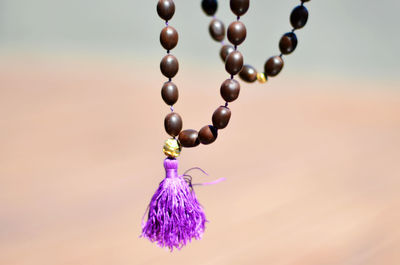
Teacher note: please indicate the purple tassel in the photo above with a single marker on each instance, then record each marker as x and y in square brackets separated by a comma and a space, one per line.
[175, 216]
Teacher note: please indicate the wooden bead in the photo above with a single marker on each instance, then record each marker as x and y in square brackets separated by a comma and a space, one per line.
[169, 66]
[217, 30]
[299, 17]
[234, 62]
[237, 32]
[169, 93]
[209, 7]
[166, 9]
[169, 38]
[288, 43]
[221, 117]
[189, 138]
[173, 124]
[230, 89]
[225, 51]
[208, 134]
[248, 73]
[273, 66]
[239, 7]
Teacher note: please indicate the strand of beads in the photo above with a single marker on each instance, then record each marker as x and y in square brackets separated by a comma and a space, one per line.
[169, 67]
[229, 90]
[274, 64]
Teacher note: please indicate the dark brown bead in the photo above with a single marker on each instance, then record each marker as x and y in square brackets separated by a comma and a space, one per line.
[225, 51]
[248, 73]
[209, 7]
[288, 43]
[221, 117]
[169, 66]
[169, 93]
[239, 7]
[189, 138]
[273, 66]
[166, 9]
[230, 89]
[217, 30]
[234, 62]
[169, 38]
[299, 17]
[237, 32]
[173, 124]
[208, 134]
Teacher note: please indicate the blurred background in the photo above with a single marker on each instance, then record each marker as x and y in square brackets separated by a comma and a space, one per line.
[312, 158]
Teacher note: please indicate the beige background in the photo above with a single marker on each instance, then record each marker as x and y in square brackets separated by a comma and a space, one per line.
[312, 159]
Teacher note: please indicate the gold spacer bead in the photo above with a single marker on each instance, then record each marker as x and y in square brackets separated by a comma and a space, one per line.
[172, 148]
[261, 78]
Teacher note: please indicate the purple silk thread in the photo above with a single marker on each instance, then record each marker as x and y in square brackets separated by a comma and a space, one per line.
[175, 216]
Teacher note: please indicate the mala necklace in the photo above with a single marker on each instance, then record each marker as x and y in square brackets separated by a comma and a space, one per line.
[175, 216]
[274, 64]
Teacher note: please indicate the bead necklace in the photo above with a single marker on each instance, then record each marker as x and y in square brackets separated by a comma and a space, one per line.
[175, 216]
[274, 64]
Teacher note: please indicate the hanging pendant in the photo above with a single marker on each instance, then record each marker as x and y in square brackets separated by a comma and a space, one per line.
[174, 214]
